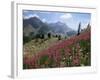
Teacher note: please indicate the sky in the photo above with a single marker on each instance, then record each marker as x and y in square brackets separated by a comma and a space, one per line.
[71, 19]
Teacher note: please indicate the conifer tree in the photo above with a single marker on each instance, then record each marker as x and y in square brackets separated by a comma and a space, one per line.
[79, 29]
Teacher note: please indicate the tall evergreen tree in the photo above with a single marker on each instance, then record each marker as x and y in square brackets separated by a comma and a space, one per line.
[79, 29]
[49, 35]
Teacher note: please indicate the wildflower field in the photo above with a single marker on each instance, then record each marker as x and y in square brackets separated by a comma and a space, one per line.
[71, 52]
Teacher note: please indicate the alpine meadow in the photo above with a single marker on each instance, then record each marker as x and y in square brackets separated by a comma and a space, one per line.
[56, 39]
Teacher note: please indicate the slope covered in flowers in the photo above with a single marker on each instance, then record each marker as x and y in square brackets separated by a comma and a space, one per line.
[71, 52]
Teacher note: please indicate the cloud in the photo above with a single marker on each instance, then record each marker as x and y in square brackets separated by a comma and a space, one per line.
[66, 16]
[25, 11]
[30, 15]
[44, 20]
[44, 12]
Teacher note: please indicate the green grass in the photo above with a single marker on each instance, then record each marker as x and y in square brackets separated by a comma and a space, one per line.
[37, 45]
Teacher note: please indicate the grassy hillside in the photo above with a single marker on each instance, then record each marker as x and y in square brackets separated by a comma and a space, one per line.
[51, 53]
[37, 45]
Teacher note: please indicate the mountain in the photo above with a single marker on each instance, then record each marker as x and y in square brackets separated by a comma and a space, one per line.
[35, 26]
[28, 29]
[71, 33]
[34, 21]
[60, 28]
